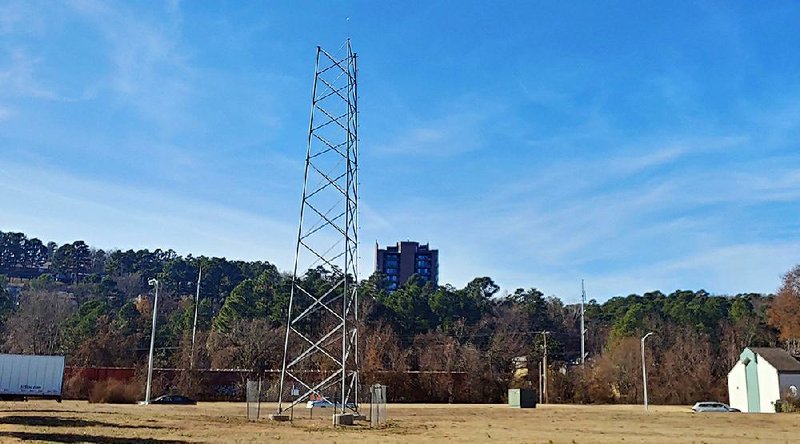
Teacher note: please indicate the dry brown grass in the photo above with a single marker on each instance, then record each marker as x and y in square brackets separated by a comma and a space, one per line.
[114, 392]
[76, 421]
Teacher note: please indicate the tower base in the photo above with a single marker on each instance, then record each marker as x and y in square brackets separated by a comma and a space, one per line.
[341, 419]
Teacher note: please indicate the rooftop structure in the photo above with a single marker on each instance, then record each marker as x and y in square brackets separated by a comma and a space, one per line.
[401, 261]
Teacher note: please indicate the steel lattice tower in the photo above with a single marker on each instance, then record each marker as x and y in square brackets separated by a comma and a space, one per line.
[321, 343]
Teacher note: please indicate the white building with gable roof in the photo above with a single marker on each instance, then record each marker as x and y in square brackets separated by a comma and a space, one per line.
[760, 377]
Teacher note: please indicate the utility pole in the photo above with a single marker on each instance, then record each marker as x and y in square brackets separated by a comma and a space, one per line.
[196, 308]
[541, 384]
[544, 366]
[153, 282]
[583, 328]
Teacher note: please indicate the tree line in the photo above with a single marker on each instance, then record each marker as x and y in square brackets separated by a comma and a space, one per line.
[94, 306]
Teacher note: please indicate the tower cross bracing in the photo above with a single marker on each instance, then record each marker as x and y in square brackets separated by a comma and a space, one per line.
[321, 342]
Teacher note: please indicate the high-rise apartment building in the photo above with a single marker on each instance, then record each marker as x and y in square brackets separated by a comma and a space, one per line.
[406, 258]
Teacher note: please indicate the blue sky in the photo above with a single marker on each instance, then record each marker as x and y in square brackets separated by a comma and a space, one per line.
[637, 145]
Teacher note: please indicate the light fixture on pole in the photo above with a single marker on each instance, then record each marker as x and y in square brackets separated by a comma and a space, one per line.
[153, 282]
[644, 370]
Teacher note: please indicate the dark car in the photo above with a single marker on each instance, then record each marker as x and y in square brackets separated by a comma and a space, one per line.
[173, 399]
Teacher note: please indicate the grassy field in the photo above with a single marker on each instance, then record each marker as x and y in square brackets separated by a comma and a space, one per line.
[76, 421]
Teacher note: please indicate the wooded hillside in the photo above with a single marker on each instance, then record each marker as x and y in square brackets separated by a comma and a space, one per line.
[94, 306]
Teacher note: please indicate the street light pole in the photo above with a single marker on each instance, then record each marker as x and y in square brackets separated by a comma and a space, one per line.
[644, 371]
[153, 282]
[196, 308]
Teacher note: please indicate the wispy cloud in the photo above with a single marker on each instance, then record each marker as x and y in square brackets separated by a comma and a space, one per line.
[18, 77]
[631, 164]
[150, 72]
[536, 161]
[5, 113]
[446, 136]
[733, 268]
[627, 221]
[10, 15]
[451, 128]
[110, 215]
[19, 16]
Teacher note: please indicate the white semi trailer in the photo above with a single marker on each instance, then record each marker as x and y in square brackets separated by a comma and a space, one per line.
[31, 376]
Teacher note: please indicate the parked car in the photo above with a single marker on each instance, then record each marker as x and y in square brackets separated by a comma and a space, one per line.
[174, 399]
[713, 407]
[321, 403]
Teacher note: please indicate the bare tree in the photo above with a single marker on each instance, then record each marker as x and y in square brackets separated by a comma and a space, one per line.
[131, 285]
[109, 346]
[250, 344]
[616, 374]
[36, 326]
[382, 349]
[685, 371]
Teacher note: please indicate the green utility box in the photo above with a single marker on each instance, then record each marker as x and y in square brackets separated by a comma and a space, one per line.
[522, 398]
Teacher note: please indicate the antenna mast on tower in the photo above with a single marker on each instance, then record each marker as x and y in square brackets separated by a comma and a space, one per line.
[320, 354]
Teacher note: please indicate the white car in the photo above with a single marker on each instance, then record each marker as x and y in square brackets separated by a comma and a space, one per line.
[321, 403]
[711, 406]
[318, 404]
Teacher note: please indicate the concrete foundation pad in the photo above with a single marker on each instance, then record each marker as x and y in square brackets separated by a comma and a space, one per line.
[343, 419]
[279, 417]
[360, 417]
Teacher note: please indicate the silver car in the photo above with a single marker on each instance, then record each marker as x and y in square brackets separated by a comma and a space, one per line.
[711, 406]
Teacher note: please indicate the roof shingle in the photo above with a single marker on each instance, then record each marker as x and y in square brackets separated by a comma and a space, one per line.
[778, 358]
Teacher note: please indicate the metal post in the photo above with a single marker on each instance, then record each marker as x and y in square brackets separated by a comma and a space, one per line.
[583, 328]
[644, 371]
[153, 282]
[196, 308]
[258, 404]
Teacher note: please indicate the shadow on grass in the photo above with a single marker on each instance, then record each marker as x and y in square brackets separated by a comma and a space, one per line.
[49, 421]
[53, 411]
[74, 437]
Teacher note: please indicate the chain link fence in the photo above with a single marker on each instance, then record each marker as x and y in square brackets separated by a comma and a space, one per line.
[377, 405]
[253, 399]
